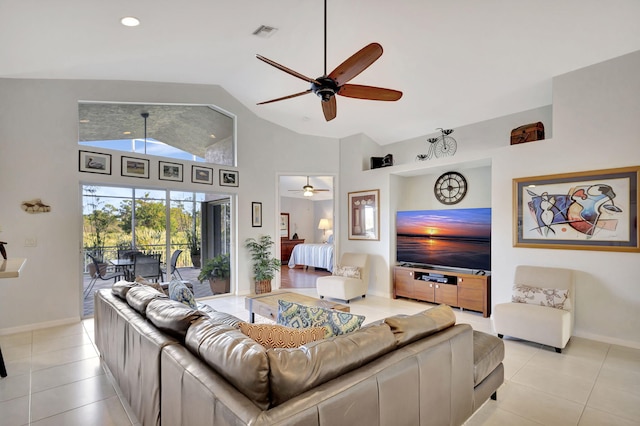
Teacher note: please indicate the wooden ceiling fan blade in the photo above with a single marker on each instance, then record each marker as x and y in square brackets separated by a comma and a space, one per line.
[330, 108]
[321, 190]
[287, 70]
[369, 92]
[358, 62]
[285, 97]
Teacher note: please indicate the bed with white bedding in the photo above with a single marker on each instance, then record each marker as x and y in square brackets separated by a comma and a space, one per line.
[316, 255]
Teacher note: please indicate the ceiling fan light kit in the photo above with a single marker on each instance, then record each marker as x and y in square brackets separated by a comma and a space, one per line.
[442, 146]
[327, 86]
[308, 190]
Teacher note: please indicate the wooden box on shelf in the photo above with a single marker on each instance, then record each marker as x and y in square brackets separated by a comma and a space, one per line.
[466, 291]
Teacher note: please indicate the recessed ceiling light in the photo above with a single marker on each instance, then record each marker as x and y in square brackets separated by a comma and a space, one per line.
[212, 136]
[130, 21]
[126, 133]
[84, 120]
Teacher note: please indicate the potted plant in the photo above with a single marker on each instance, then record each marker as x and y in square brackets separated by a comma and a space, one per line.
[194, 248]
[217, 271]
[265, 265]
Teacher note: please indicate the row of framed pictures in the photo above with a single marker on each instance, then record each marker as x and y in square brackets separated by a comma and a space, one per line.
[96, 162]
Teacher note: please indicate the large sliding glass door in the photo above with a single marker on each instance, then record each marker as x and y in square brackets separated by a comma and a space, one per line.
[158, 221]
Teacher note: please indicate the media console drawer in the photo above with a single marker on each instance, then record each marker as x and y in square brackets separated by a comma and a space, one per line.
[465, 291]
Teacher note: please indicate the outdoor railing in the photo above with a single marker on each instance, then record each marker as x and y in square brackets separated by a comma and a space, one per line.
[111, 252]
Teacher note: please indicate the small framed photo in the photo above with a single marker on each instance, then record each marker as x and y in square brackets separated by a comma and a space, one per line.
[228, 178]
[202, 175]
[94, 162]
[170, 171]
[135, 167]
[256, 214]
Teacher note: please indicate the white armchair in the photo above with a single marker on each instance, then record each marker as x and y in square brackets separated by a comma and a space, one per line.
[543, 307]
[346, 288]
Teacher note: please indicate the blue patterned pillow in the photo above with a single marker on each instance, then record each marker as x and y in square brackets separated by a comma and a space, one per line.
[295, 315]
[180, 292]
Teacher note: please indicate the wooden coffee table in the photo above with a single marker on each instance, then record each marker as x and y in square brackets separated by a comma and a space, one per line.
[266, 304]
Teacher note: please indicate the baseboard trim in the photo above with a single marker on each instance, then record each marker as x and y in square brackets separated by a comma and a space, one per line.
[39, 326]
[607, 339]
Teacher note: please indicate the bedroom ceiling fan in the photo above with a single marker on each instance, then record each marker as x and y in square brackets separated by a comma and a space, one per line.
[335, 83]
[308, 190]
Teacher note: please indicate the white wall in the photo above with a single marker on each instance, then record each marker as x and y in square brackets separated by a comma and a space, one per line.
[39, 159]
[591, 125]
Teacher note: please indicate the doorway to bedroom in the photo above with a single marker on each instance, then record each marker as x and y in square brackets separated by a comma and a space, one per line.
[306, 229]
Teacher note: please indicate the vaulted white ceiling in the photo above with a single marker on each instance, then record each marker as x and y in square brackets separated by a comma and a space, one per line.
[457, 61]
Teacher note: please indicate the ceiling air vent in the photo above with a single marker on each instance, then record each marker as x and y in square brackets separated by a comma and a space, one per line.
[264, 31]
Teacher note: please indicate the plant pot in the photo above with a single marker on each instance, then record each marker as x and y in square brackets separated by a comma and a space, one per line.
[263, 286]
[220, 285]
[195, 260]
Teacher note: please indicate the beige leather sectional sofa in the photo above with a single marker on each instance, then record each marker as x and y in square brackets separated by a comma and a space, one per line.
[178, 366]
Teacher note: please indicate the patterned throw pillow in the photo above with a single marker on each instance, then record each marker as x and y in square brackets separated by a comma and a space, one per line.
[551, 297]
[347, 271]
[180, 292]
[295, 315]
[278, 336]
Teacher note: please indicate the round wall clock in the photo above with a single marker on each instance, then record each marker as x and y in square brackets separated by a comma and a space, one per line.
[450, 188]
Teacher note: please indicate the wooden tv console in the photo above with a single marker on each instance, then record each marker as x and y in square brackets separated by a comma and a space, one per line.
[465, 291]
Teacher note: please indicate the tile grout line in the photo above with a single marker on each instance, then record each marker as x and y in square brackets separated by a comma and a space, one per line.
[594, 384]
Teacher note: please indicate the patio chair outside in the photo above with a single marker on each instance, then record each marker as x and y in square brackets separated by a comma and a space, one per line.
[100, 273]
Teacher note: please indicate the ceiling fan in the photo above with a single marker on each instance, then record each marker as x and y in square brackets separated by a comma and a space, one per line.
[308, 190]
[335, 83]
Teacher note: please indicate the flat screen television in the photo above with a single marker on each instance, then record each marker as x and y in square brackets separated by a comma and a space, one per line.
[452, 239]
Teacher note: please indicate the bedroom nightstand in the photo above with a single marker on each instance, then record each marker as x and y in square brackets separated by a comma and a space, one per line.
[286, 247]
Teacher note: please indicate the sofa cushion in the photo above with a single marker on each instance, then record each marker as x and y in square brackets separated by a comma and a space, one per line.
[121, 288]
[171, 317]
[291, 314]
[239, 359]
[278, 336]
[488, 353]
[179, 292]
[144, 281]
[552, 297]
[294, 371]
[223, 318]
[409, 328]
[139, 296]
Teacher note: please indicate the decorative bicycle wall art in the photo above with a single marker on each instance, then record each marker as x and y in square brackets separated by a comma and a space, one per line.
[442, 146]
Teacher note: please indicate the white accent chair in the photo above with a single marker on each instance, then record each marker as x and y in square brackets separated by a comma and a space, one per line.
[541, 324]
[345, 288]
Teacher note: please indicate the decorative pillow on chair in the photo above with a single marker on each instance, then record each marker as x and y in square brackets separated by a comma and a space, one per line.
[347, 271]
[295, 315]
[551, 297]
[180, 292]
[278, 336]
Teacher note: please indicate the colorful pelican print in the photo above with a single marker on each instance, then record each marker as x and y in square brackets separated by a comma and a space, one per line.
[581, 209]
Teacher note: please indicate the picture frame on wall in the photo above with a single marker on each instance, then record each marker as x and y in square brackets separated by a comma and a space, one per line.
[229, 178]
[201, 174]
[135, 167]
[590, 210]
[94, 162]
[170, 171]
[364, 215]
[256, 214]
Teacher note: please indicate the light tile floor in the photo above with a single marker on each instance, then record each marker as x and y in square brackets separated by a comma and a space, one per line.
[56, 378]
